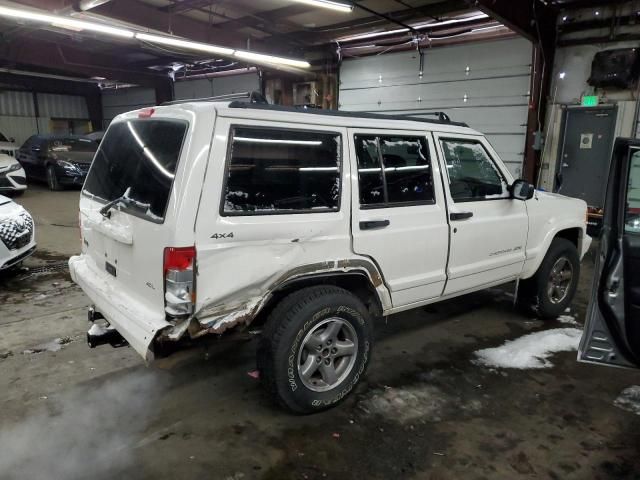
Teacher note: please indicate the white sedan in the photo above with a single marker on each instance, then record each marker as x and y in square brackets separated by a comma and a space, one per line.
[17, 233]
[13, 179]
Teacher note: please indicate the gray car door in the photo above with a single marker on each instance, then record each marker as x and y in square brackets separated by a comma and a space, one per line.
[612, 330]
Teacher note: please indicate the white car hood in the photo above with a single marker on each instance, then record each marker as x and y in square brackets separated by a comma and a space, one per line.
[8, 147]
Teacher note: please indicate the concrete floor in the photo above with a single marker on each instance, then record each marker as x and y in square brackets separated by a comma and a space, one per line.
[424, 410]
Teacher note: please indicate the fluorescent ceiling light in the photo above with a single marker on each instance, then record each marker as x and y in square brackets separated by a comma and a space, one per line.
[418, 26]
[261, 57]
[65, 22]
[331, 5]
[81, 25]
[181, 43]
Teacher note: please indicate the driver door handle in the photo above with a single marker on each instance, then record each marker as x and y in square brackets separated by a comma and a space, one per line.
[460, 215]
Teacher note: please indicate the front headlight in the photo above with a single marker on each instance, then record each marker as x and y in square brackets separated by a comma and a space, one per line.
[67, 165]
[14, 167]
[11, 168]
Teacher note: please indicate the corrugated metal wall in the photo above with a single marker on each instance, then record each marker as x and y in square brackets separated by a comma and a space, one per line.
[209, 87]
[62, 106]
[485, 84]
[115, 102]
[18, 112]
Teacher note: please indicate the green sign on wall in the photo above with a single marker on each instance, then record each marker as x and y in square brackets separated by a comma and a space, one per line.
[589, 100]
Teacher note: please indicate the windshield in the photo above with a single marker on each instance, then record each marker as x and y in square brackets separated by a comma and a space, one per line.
[137, 160]
[64, 145]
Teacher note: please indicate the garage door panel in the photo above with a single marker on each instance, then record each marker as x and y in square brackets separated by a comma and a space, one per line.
[484, 119]
[484, 84]
[508, 144]
[499, 91]
[497, 58]
[390, 78]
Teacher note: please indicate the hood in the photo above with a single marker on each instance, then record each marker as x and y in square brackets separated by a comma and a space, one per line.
[8, 147]
[560, 205]
[4, 200]
[76, 157]
[6, 161]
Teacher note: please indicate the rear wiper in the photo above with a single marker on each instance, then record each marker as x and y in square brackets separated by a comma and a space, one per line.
[106, 210]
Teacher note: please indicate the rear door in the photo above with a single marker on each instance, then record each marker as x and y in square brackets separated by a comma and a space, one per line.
[141, 161]
[399, 212]
[612, 330]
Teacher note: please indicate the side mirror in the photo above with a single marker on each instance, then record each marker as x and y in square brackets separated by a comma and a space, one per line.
[522, 190]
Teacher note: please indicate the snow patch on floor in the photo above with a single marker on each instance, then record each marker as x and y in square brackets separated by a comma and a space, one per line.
[54, 345]
[629, 399]
[530, 351]
[568, 320]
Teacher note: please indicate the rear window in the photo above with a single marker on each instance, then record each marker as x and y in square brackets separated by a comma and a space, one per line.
[64, 145]
[137, 161]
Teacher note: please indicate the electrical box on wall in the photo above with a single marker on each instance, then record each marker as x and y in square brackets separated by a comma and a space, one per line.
[618, 68]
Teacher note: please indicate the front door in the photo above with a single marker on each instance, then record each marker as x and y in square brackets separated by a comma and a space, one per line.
[612, 331]
[488, 228]
[399, 211]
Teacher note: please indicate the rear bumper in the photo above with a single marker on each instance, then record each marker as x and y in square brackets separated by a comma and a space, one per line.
[138, 324]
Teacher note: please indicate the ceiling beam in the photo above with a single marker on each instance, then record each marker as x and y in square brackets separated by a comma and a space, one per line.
[147, 16]
[73, 61]
[361, 25]
[531, 19]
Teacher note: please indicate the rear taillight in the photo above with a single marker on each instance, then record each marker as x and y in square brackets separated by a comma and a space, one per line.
[179, 280]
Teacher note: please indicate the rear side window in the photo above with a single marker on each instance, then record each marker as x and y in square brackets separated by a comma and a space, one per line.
[137, 162]
[272, 171]
[472, 173]
[393, 171]
[632, 218]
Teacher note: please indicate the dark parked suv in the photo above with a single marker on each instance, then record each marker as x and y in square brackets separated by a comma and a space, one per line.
[60, 160]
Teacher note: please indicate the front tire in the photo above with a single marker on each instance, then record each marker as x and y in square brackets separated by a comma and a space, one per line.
[551, 290]
[315, 348]
[52, 179]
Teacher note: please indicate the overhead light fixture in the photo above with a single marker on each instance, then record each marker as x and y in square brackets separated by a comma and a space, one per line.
[186, 44]
[331, 5]
[65, 22]
[264, 58]
[81, 25]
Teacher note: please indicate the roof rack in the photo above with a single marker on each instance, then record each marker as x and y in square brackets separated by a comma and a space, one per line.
[253, 98]
[443, 118]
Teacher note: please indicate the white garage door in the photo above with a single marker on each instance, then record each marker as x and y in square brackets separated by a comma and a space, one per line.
[214, 86]
[484, 84]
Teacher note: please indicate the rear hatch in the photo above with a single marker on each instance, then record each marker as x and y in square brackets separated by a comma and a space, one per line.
[133, 175]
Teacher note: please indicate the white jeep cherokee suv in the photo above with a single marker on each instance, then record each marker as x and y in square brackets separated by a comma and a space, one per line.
[204, 217]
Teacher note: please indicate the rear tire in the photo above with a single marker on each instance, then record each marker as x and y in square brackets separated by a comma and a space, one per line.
[52, 179]
[551, 290]
[314, 349]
